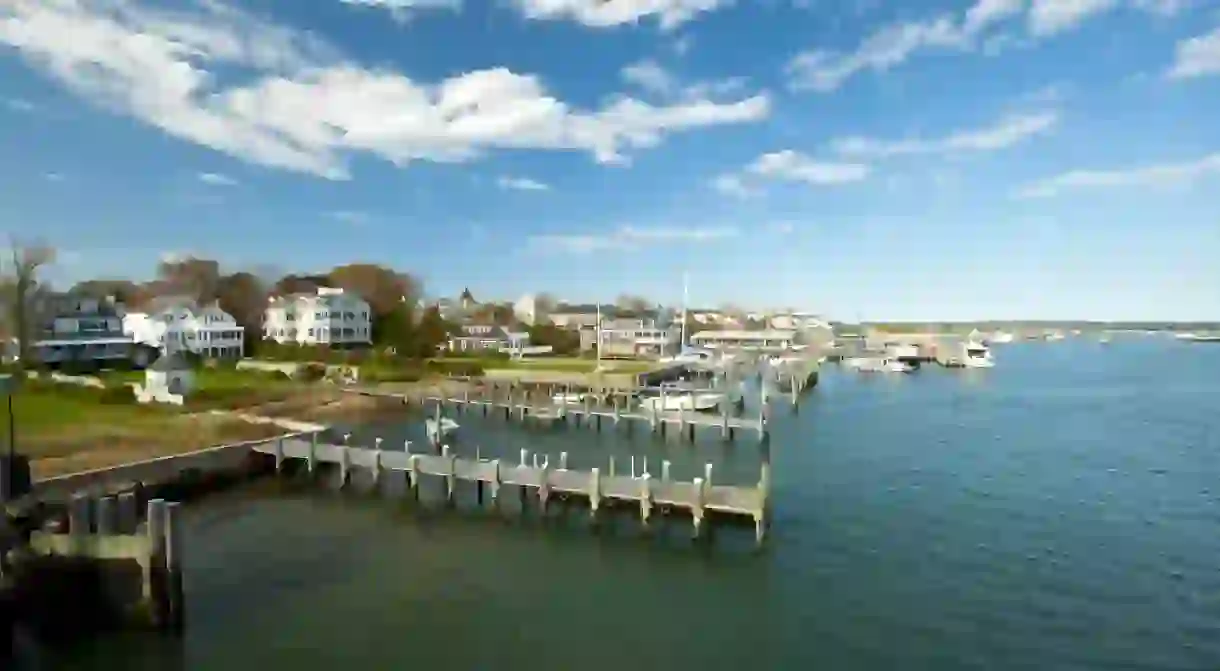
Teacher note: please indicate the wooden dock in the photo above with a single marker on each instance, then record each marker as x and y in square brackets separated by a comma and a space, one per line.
[700, 498]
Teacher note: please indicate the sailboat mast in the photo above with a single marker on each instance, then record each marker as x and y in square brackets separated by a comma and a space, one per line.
[599, 333]
[685, 296]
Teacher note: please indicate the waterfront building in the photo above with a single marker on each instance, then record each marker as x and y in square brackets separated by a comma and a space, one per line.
[175, 324]
[78, 331]
[329, 317]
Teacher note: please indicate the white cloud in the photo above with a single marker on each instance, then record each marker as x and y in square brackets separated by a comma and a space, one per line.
[1048, 17]
[607, 13]
[20, 105]
[303, 107]
[521, 184]
[822, 70]
[53, 177]
[1158, 176]
[401, 10]
[629, 237]
[796, 167]
[651, 77]
[733, 185]
[1003, 134]
[788, 166]
[1163, 7]
[982, 27]
[216, 179]
[349, 217]
[1197, 57]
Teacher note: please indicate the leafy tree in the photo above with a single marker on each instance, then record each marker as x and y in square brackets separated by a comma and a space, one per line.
[431, 333]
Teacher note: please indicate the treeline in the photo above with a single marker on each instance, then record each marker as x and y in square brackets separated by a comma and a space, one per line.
[393, 296]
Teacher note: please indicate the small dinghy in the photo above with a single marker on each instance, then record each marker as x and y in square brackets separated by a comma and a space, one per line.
[445, 429]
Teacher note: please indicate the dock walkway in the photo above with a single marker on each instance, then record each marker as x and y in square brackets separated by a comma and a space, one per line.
[698, 497]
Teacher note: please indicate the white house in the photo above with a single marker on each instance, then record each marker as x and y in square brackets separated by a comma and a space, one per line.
[178, 324]
[329, 317]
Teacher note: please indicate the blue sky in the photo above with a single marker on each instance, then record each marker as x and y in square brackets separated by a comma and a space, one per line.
[921, 160]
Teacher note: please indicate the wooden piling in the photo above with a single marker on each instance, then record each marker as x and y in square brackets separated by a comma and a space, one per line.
[175, 605]
[128, 513]
[155, 585]
[107, 516]
[595, 492]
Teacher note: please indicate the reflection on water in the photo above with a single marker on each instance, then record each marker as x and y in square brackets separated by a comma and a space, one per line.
[1060, 511]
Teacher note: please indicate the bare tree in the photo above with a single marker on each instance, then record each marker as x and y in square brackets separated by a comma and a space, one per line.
[19, 273]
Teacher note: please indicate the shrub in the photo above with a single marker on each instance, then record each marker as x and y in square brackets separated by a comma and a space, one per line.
[312, 372]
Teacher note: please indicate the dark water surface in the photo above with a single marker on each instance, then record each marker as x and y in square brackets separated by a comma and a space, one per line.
[1061, 511]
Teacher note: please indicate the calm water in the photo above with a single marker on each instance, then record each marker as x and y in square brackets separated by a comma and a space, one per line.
[1061, 511]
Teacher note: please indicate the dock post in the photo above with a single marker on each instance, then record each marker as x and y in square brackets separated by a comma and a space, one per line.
[588, 398]
[633, 465]
[107, 516]
[563, 461]
[707, 473]
[465, 399]
[697, 505]
[279, 456]
[524, 455]
[154, 571]
[311, 459]
[78, 521]
[645, 498]
[724, 423]
[495, 482]
[544, 485]
[450, 473]
[617, 411]
[175, 596]
[665, 471]
[413, 477]
[595, 492]
[129, 513]
[681, 420]
[377, 466]
[612, 465]
[690, 431]
[345, 459]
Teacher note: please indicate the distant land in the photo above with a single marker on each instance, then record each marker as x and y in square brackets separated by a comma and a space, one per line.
[1028, 325]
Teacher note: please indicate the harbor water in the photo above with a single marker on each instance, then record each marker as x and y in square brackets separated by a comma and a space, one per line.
[1060, 511]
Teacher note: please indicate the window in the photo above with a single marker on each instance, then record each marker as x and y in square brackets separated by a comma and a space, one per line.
[310, 333]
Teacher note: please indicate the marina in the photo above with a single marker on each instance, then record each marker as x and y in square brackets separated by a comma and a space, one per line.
[903, 506]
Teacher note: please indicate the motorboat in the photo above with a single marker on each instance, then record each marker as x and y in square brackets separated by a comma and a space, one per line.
[1001, 338]
[977, 355]
[884, 365]
[685, 397]
[437, 431]
[570, 398]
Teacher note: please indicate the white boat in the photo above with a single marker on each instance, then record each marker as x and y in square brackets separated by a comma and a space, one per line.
[1199, 337]
[977, 355]
[1055, 336]
[884, 366]
[447, 427]
[1001, 337]
[676, 398]
[573, 398]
